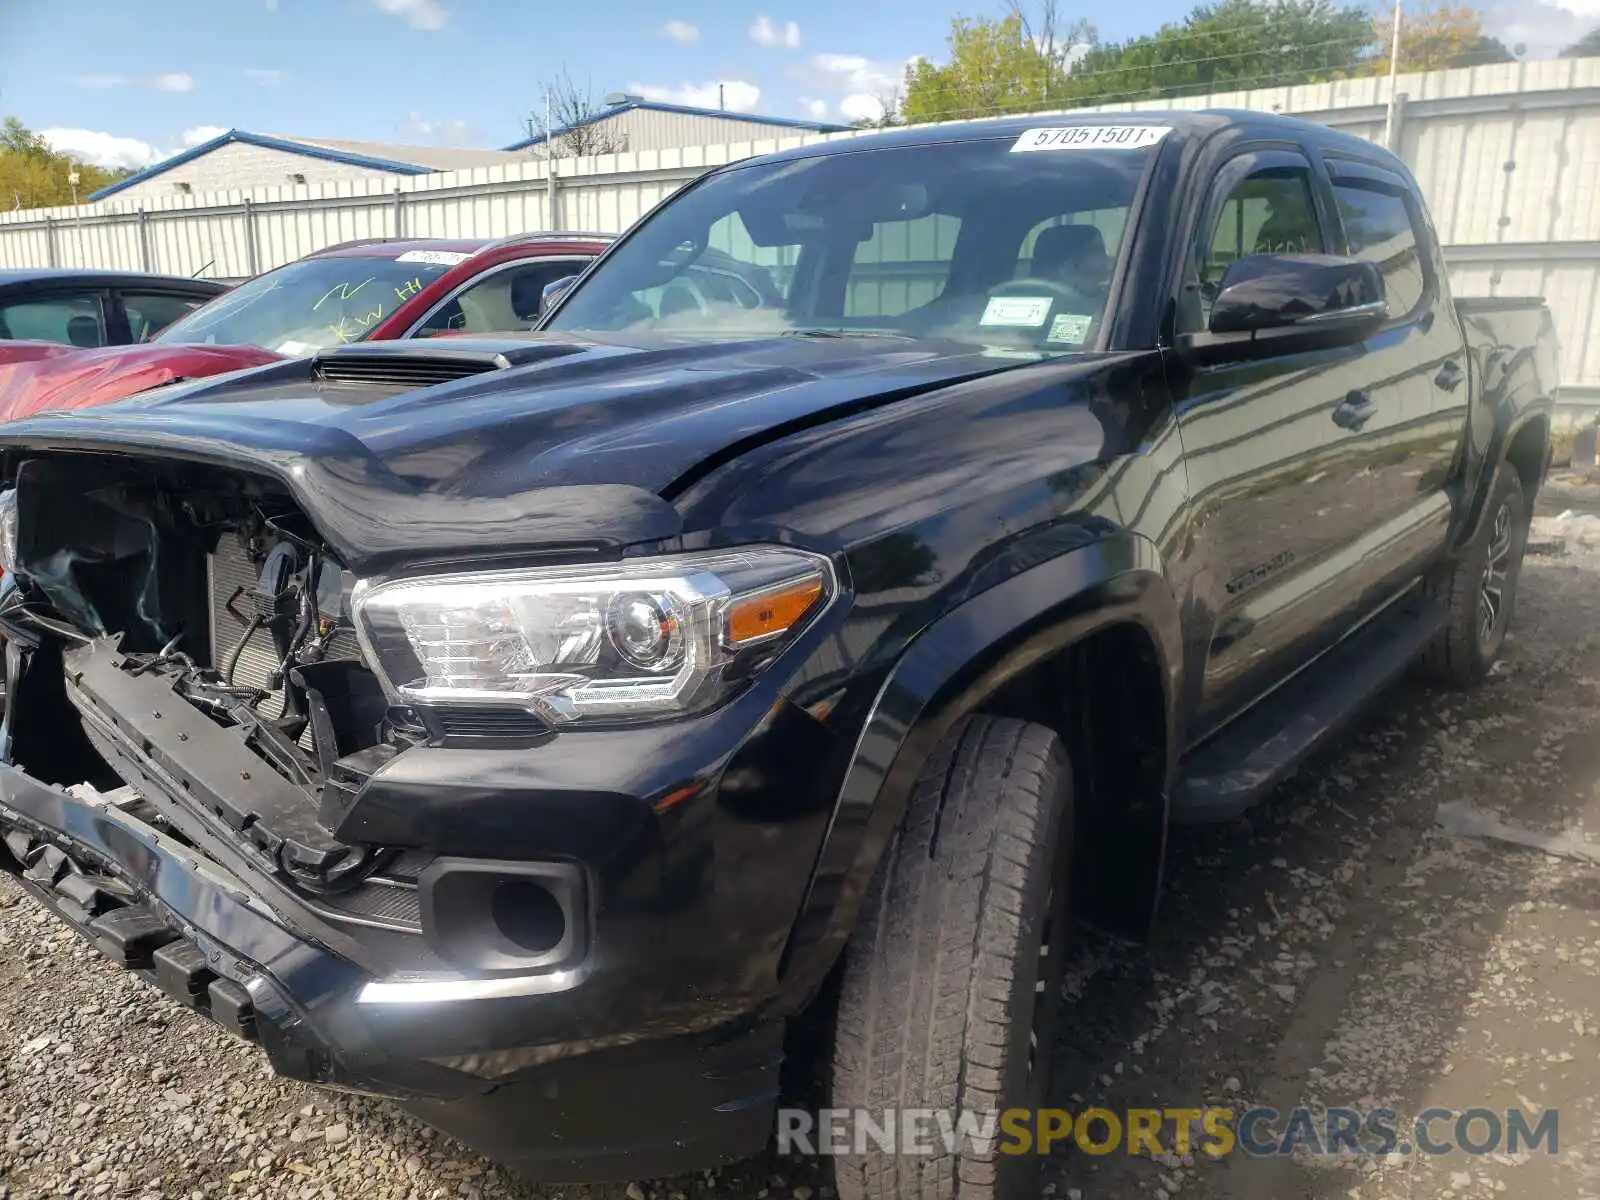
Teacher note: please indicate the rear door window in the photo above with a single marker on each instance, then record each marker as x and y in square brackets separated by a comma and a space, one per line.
[70, 318]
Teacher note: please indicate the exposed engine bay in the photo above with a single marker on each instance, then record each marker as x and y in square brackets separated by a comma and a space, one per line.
[206, 642]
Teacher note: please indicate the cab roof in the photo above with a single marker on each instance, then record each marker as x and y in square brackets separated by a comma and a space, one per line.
[1185, 123]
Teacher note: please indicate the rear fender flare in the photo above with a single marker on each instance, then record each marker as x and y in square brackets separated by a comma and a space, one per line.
[948, 672]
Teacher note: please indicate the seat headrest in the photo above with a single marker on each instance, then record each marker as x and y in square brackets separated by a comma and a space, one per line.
[1061, 244]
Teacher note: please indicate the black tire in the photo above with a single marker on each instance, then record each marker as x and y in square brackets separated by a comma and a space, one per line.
[949, 984]
[1479, 588]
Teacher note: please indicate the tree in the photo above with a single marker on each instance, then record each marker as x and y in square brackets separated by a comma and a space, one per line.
[1488, 50]
[32, 175]
[1588, 46]
[575, 116]
[1058, 40]
[1022, 63]
[994, 68]
[1437, 34]
[1235, 44]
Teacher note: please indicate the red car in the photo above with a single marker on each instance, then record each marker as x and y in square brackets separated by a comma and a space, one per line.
[354, 292]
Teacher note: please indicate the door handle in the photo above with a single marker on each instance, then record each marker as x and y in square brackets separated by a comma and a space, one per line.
[1450, 376]
[1354, 411]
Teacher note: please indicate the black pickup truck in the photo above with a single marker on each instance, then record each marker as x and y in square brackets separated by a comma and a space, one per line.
[531, 730]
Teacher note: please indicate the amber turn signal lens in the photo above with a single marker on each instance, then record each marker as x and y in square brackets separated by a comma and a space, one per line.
[752, 617]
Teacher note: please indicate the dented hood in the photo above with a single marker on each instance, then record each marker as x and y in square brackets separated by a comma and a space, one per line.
[542, 440]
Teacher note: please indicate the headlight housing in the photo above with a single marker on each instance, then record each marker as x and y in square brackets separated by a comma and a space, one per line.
[632, 640]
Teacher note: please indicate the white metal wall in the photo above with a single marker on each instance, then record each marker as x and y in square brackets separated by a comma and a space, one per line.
[1508, 155]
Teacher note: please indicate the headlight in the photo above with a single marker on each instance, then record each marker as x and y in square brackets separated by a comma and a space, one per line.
[643, 638]
[8, 530]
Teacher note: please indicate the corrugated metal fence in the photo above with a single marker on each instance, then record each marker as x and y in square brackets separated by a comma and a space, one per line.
[1509, 157]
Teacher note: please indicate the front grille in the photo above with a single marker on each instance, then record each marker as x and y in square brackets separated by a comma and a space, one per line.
[232, 577]
[399, 370]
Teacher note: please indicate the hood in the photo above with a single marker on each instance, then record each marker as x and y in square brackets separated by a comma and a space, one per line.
[13, 350]
[540, 440]
[79, 378]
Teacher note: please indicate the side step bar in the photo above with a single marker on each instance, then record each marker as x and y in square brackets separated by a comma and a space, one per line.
[1233, 769]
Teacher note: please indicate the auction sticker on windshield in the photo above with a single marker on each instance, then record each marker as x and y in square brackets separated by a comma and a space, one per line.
[437, 258]
[1020, 311]
[1091, 137]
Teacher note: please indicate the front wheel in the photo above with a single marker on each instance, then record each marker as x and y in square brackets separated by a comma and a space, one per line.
[1479, 587]
[952, 985]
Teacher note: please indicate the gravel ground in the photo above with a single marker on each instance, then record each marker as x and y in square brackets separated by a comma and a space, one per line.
[1335, 947]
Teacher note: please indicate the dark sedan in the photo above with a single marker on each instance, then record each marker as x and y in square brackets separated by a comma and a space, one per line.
[44, 308]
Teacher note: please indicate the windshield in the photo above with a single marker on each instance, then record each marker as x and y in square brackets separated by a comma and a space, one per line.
[1006, 242]
[308, 305]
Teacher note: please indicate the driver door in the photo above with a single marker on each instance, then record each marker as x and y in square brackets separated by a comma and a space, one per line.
[1269, 513]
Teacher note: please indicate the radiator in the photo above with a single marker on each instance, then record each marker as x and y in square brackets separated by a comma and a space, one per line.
[228, 570]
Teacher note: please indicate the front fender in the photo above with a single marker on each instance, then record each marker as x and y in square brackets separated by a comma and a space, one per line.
[948, 672]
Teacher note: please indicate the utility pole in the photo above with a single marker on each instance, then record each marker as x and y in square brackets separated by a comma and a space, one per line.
[549, 161]
[1394, 71]
[721, 98]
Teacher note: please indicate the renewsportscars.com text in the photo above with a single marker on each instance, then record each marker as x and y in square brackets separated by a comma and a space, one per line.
[1216, 1132]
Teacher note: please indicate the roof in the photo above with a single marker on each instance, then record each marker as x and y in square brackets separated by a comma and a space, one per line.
[1185, 122]
[26, 275]
[388, 157]
[685, 110]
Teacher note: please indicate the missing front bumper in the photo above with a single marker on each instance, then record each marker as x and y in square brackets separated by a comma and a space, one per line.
[651, 1108]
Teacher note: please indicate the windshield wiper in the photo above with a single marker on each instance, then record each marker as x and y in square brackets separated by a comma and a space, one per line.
[846, 333]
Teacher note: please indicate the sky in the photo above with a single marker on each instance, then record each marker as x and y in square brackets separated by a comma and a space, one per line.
[125, 85]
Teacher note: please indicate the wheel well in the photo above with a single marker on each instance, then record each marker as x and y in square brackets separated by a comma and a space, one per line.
[1526, 453]
[1104, 695]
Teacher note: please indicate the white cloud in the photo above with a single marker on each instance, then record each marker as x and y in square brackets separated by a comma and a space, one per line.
[735, 94]
[201, 134]
[767, 32]
[265, 76]
[440, 132]
[1543, 27]
[681, 31]
[853, 73]
[816, 109]
[862, 106]
[419, 14]
[171, 81]
[101, 149]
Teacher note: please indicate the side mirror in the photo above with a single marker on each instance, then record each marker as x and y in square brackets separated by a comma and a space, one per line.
[554, 291]
[1271, 304]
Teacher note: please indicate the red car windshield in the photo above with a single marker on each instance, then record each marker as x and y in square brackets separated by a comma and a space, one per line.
[311, 304]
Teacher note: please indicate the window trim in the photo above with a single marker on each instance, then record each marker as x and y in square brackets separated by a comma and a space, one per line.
[1387, 183]
[473, 281]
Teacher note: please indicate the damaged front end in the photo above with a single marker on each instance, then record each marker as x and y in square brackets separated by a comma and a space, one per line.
[206, 645]
[408, 831]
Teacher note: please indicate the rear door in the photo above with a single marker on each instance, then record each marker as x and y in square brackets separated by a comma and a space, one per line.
[1413, 373]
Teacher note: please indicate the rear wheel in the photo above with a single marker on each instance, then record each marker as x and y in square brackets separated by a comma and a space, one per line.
[952, 986]
[1479, 587]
